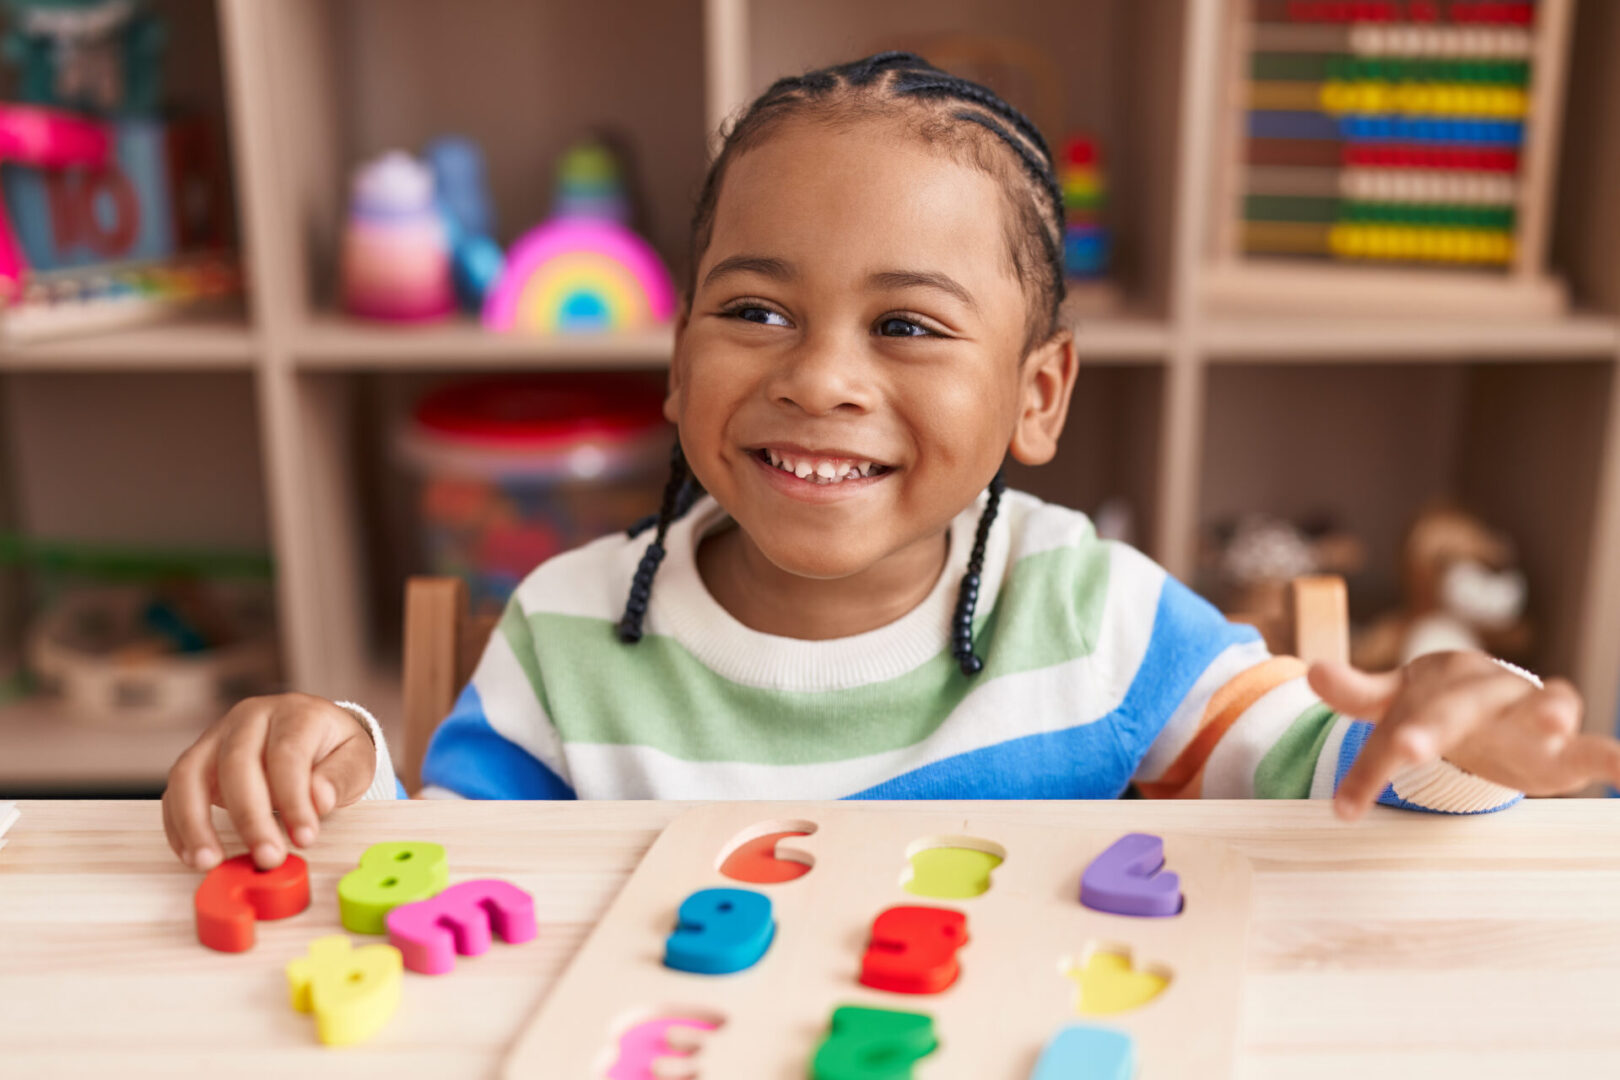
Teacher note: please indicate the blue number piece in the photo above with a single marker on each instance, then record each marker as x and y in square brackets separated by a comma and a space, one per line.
[1080, 1052]
[719, 931]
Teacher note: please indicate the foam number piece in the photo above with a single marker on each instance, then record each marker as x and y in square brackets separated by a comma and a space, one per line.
[1080, 1052]
[720, 931]
[950, 873]
[235, 894]
[1108, 983]
[352, 992]
[757, 862]
[660, 1049]
[1126, 880]
[389, 875]
[873, 1044]
[913, 950]
[429, 933]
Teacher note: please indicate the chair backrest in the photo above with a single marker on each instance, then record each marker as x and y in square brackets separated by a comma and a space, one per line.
[443, 641]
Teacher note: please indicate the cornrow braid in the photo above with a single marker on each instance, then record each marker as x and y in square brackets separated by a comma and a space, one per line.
[859, 89]
[967, 597]
[681, 491]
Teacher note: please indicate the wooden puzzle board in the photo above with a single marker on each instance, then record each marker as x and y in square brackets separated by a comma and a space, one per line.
[1009, 1000]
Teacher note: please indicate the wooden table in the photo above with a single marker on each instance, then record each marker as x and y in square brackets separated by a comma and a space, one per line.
[1409, 944]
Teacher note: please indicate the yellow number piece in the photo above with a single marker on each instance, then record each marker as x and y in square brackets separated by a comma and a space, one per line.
[1109, 984]
[352, 992]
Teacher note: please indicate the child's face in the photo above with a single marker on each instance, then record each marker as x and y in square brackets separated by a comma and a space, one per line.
[813, 339]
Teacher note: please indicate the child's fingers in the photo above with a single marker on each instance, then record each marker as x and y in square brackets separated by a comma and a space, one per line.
[289, 761]
[342, 776]
[1557, 708]
[1390, 748]
[246, 794]
[1353, 692]
[1588, 758]
[187, 817]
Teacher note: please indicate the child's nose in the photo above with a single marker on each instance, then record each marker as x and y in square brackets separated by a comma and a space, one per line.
[825, 374]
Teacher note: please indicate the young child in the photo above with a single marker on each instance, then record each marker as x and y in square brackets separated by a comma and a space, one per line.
[839, 598]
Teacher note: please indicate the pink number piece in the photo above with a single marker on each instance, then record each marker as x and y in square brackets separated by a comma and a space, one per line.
[647, 1043]
[47, 139]
[429, 933]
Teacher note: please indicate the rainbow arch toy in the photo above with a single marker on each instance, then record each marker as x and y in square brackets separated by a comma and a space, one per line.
[573, 274]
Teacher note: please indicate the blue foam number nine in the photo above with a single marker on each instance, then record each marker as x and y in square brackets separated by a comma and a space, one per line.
[719, 931]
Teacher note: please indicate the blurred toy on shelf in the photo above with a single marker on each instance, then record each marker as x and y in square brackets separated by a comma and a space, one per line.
[1254, 557]
[512, 470]
[395, 261]
[102, 56]
[67, 303]
[462, 190]
[44, 139]
[1087, 243]
[584, 268]
[140, 638]
[1463, 590]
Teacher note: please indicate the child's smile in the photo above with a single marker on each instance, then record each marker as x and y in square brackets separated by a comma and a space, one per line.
[847, 380]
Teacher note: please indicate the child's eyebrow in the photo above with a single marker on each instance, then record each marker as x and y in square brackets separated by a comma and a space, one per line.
[782, 270]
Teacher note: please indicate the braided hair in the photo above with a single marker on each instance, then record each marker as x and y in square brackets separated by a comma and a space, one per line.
[952, 115]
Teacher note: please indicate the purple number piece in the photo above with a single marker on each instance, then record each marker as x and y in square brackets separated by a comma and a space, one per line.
[1125, 879]
[429, 933]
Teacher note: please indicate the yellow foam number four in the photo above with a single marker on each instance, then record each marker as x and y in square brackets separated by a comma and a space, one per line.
[352, 992]
[950, 873]
[389, 875]
[1109, 984]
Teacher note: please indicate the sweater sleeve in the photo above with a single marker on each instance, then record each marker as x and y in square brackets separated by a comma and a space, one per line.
[498, 741]
[1251, 727]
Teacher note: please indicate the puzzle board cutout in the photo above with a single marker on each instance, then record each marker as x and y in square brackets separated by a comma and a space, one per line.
[1012, 995]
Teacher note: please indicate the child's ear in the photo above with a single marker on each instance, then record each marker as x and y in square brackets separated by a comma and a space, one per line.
[1046, 380]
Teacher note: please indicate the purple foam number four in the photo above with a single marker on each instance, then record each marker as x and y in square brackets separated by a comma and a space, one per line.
[1125, 879]
[429, 933]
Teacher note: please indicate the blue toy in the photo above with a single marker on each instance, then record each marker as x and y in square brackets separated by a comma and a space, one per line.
[720, 931]
[1080, 1052]
[462, 190]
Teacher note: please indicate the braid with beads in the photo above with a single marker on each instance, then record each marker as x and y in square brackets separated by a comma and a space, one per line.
[953, 115]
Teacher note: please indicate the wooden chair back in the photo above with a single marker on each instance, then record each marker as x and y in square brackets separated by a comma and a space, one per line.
[444, 639]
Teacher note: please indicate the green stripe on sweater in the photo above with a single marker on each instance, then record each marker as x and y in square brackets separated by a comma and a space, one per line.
[1286, 770]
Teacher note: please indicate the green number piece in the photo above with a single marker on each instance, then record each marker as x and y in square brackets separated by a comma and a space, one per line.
[389, 875]
[873, 1044]
[951, 873]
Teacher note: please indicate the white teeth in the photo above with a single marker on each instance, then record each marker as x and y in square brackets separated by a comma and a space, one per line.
[822, 471]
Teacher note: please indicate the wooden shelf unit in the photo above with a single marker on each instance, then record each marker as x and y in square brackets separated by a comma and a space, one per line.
[1523, 416]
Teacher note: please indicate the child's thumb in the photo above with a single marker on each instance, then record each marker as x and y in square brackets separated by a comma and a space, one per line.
[342, 776]
[1351, 691]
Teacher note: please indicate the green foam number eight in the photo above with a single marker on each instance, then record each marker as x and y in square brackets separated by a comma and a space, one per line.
[390, 874]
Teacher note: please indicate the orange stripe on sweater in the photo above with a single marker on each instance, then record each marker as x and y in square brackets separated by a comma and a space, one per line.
[1184, 778]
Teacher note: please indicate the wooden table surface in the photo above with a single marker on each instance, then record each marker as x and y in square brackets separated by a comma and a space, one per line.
[1486, 947]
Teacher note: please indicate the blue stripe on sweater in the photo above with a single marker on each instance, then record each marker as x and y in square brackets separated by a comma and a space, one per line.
[1095, 760]
[1354, 738]
[472, 759]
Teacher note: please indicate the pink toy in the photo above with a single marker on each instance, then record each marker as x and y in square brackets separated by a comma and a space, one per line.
[50, 139]
[429, 933]
[580, 274]
[396, 248]
[652, 1041]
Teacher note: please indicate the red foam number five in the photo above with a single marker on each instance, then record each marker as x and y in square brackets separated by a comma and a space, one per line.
[913, 950]
[234, 895]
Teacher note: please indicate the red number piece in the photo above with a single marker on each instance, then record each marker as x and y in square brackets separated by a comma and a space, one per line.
[235, 894]
[913, 950]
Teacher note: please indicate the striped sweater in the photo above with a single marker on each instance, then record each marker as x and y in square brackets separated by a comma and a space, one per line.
[1100, 671]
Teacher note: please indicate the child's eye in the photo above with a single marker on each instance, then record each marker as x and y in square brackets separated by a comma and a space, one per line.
[910, 327]
[755, 314]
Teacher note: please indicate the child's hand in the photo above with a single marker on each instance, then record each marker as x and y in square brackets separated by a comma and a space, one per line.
[1472, 711]
[293, 753]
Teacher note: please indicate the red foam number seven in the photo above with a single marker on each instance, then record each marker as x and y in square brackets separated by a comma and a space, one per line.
[235, 895]
[913, 950]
